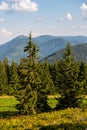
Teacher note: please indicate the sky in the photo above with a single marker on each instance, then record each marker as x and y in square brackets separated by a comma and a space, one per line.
[42, 17]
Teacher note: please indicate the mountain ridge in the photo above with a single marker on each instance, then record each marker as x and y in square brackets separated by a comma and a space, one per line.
[14, 49]
[79, 53]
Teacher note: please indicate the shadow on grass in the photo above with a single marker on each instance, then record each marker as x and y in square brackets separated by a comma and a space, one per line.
[8, 114]
[67, 126]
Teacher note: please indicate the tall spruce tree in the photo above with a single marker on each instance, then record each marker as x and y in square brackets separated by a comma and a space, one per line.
[6, 64]
[68, 81]
[82, 76]
[13, 78]
[3, 78]
[45, 87]
[29, 80]
[54, 73]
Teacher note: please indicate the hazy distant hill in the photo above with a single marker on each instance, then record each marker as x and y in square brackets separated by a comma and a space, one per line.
[76, 39]
[79, 54]
[48, 45]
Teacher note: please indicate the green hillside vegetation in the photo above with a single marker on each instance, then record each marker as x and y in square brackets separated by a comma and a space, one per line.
[43, 95]
[48, 45]
[70, 118]
[7, 103]
[79, 52]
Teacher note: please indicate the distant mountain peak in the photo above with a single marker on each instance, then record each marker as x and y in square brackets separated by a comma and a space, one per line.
[21, 36]
[47, 44]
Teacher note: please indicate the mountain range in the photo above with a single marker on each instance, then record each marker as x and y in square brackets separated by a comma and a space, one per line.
[79, 53]
[51, 47]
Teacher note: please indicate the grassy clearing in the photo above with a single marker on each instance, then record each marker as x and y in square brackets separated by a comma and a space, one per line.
[69, 119]
[52, 102]
[7, 103]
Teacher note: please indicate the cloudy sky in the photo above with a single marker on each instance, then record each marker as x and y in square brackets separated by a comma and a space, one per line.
[51, 17]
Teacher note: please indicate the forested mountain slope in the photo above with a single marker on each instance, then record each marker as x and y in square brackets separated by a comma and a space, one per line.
[79, 54]
[14, 49]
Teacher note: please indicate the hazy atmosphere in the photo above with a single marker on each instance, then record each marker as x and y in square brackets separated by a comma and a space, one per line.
[52, 17]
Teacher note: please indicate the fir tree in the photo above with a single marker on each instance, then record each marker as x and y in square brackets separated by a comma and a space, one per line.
[7, 66]
[54, 74]
[45, 87]
[28, 74]
[13, 79]
[82, 76]
[3, 78]
[67, 81]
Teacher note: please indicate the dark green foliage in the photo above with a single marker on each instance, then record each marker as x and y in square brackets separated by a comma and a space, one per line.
[54, 75]
[13, 79]
[66, 126]
[82, 76]
[31, 49]
[27, 92]
[46, 78]
[22, 70]
[45, 87]
[29, 80]
[82, 71]
[6, 64]
[78, 51]
[27, 100]
[68, 85]
[3, 78]
[13, 73]
[36, 82]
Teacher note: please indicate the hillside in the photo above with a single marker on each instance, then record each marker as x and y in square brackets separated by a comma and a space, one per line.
[14, 49]
[68, 119]
[79, 54]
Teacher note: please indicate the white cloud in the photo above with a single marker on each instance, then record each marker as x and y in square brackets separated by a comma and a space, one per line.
[4, 32]
[4, 6]
[68, 16]
[84, 10]
[2, 19]
[25, 6]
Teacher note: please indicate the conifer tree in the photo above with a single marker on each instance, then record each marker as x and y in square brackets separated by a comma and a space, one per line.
[3, 78]
[67, 81]
[82, 71]
[13, 79]
[28, 91]
[82, 76]
[45, 87]
[7, 66]
[54, 73]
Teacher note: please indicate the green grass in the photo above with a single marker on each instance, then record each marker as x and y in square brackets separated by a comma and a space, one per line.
[69, 119]
[7, 103]
[52, 102]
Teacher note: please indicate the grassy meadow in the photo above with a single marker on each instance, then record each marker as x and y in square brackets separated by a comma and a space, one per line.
[7, 103]
[69, 119]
